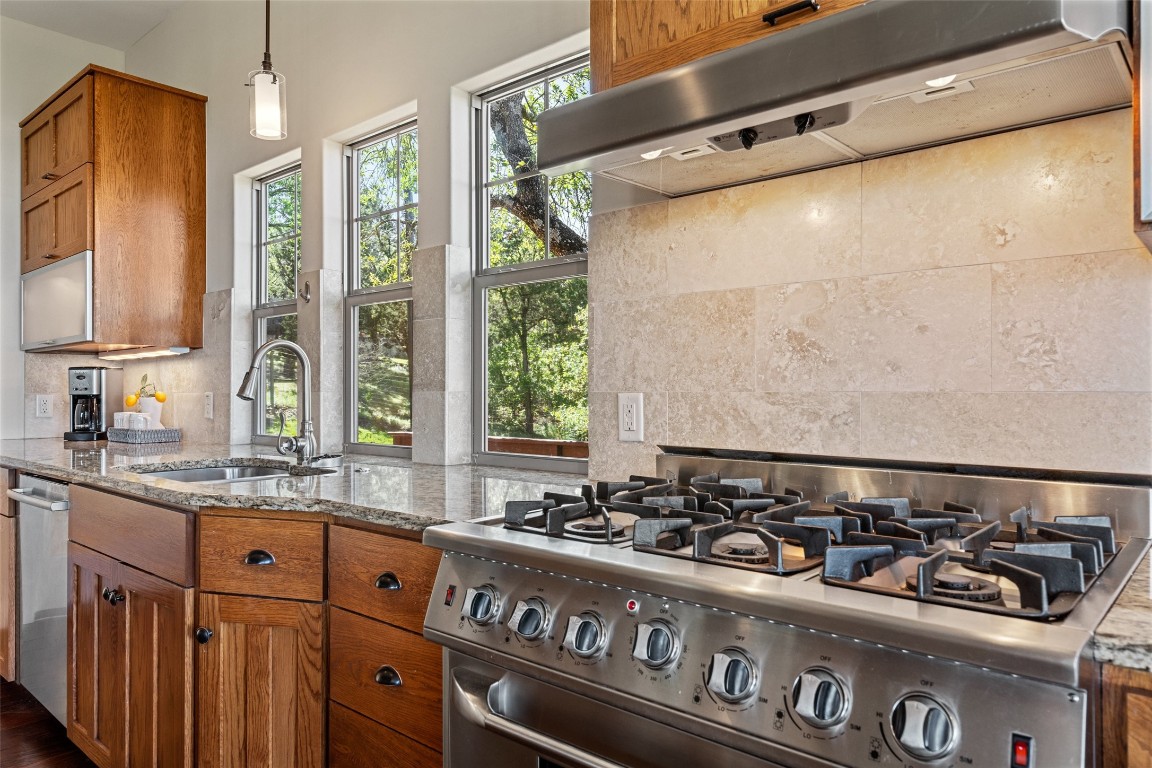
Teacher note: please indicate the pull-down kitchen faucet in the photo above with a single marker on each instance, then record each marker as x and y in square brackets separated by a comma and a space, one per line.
[304, 443]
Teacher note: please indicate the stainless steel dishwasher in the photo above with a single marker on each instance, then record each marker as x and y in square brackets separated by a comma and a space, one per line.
[43, 536]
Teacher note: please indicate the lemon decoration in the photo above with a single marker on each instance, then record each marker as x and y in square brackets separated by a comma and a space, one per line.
[161, 397]
[131, 400]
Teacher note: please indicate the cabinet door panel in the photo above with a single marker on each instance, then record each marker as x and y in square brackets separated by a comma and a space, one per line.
[96, 691]
[1127, 717]
[158, 660]
[8, 623]
[57, 221]
[297, 550]
[58, 140]
[359, 560]
[261, 683]
[354, 741]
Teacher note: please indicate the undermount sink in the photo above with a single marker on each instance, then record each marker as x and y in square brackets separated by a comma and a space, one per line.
[218, 474]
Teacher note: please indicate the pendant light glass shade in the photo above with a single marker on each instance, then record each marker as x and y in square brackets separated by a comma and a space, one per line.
[268, 115]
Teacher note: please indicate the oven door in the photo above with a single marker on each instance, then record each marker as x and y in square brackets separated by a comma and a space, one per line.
[497, 717]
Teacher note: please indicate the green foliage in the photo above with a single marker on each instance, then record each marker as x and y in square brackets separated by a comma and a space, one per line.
[282, 244]
[386, 217]
[383, 371]
[280, 373]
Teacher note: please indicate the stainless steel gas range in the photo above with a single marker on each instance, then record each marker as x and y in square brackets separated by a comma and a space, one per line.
[734, 612]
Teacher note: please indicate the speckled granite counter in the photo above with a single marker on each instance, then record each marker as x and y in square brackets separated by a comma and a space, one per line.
[390, 492]
[1125, 636]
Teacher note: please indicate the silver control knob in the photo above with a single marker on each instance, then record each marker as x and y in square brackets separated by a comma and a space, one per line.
[819, 698]
[923, 727]
[481, 604]
[529, 618]
[586, 635]
[656, 644]
[732, 676]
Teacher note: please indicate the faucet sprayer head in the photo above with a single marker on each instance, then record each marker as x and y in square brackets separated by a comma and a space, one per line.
[247, 389]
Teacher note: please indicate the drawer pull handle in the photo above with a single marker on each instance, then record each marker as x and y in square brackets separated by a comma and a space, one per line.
[775, 16]
[259, 557]
[387, 675]
[49, 176]
[203, 635]
[389, 581]
[112, 596]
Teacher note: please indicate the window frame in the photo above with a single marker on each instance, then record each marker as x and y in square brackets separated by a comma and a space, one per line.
[487, 277]
[356, 296]
[262, 309]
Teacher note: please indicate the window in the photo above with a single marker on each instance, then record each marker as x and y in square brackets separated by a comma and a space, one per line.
[531, 291]
[277, 267]
[383, 205]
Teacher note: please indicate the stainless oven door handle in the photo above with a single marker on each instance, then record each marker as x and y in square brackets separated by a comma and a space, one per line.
[24, 496]
[470, 698]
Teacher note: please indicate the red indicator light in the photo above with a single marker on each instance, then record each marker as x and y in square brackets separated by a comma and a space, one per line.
[632, 606]
[450, 594]
[1021, 751]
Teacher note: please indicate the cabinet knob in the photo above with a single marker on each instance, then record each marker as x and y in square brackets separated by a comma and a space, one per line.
[49, 176]
[387, 675]
[112, 596]
[259, 557]
[203, 635]
[389, 581]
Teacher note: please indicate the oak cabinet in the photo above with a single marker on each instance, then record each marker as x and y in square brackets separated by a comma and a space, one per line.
[634, 38]
[8, 598]
[115, 165]
[386, 679]
[1127, 717]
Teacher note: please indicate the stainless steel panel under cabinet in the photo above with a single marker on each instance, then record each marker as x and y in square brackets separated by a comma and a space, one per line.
[56, 303]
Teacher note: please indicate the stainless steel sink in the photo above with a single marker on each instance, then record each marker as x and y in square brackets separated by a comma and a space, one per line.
[218, 474]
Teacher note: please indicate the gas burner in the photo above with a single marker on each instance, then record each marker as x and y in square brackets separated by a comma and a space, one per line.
[960, 587]
[592, 529]
[750, 554]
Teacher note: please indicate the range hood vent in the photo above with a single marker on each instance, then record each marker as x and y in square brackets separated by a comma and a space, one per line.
[849, 87]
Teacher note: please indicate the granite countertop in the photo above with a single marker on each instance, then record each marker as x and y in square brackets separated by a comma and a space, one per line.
[390, 492]
[1124, 637]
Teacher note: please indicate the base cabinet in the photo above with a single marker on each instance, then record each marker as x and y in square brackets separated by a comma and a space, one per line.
[9, 626]
[1127, 717]
[130, 656]
[261, 682]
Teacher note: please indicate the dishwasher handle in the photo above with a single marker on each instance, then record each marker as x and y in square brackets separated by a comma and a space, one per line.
[25, 496]
[470, 698]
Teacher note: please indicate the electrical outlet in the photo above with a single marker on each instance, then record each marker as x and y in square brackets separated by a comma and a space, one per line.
[631, 416]
[43, 406]
[208, 406]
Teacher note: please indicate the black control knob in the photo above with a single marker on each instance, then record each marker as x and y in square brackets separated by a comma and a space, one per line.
[656, 644]
[586, 635]
[732, 676]
[748, 137]
[481, 604]
[820, 698]
[529, 618]
[923, 727]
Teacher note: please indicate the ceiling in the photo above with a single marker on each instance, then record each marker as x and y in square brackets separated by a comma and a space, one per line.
[117, 24]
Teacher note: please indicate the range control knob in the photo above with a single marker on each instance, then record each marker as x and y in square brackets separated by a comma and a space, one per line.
[656, 644]
[923, 727]
[732, 676]
[586, 635]
[529, 618]
[820, 698]
[481, 604]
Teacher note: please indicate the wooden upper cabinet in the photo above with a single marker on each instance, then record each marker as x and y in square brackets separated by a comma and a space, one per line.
[57, 221]
[634, 38]
[58, 139]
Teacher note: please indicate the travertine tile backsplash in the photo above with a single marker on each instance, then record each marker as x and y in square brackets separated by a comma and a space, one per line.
[984, 302]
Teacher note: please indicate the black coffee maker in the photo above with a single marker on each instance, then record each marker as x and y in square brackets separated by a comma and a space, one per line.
[94, 394]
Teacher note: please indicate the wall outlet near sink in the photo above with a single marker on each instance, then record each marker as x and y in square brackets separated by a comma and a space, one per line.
[630, 407]
[43, 406]
[208, 406]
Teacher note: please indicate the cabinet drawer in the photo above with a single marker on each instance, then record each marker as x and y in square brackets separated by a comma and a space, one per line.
[387, 578]
[358, 650]
[266, 558]
[154, 539]
[354, 741]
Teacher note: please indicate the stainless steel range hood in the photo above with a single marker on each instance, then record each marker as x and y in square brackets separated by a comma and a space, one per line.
[849, 87]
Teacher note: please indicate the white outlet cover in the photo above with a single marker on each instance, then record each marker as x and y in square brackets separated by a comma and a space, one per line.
[208, 406]
[43, 406]
[630, 416]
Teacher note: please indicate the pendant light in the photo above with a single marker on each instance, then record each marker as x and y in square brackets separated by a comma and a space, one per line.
[267, 114]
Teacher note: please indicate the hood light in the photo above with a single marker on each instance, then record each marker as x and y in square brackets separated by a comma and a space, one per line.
[654, 153]
[139, 354]
[940, 82]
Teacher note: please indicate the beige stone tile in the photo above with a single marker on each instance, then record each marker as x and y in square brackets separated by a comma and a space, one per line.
[429, 278]
[798, 228]
[428, 355]
[819, 423]
[628, 253]
[428, 444]
[925, 331]
[1102, 432]
[1073, 323]
[608, 457]
[1058, 189]
[805, 337]
[698, 342]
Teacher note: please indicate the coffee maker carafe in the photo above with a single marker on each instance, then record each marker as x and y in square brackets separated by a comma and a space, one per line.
[93, 394]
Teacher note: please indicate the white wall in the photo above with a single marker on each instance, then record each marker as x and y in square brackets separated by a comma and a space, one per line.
[33, 64]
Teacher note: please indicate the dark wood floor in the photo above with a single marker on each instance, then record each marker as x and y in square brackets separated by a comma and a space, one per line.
[30, 737]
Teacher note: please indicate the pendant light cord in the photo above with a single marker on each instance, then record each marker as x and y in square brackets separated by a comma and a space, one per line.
[267, 35]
